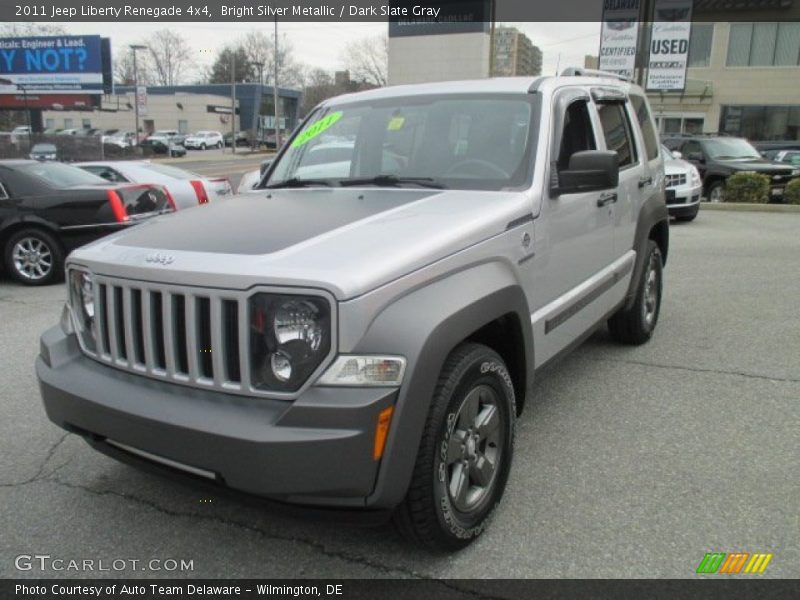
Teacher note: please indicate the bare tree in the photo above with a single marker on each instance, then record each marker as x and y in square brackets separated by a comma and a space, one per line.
[30, 29]
[260, 49]
[367, 59]
[171, 57]
[123, 68]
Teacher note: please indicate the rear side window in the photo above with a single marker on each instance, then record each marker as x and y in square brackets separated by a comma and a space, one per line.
[646, 123]
[617, 131]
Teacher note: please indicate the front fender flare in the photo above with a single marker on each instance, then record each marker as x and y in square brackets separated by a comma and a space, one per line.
[425, 326]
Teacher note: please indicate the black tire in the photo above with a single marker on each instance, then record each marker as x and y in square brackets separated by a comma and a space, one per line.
[49, 266]
[203, 146]
[473, 376]
[219, 145]
[716, 187]
[636, 325]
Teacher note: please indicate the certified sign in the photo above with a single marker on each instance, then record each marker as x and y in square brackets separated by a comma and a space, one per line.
[669, 45]
[619, 36]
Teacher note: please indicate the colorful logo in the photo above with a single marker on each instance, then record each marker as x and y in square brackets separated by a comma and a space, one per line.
[733, 563]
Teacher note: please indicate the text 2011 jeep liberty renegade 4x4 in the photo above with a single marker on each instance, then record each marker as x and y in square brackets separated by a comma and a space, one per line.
[364, 328]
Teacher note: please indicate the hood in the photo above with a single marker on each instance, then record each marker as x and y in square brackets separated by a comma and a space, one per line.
[346, 240]
[674, 166]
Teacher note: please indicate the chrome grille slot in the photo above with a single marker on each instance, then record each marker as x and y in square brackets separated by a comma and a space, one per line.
[182, 334]
[674, 180]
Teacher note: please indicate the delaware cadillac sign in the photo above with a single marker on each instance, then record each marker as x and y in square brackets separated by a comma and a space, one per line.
[669, 45]
[619, 36]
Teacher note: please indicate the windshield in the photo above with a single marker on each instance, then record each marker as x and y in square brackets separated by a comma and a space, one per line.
[453, 141]
[59, 176]
[730, 148]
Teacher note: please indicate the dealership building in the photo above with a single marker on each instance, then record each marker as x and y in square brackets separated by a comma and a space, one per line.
[743, 79]
[185, 108]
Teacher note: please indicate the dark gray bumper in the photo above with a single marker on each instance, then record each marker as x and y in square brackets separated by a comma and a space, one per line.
[316, 449]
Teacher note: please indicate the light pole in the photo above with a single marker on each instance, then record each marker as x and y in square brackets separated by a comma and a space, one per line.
[275, 92]
[260, 66]
[134, 48]
[233, 101]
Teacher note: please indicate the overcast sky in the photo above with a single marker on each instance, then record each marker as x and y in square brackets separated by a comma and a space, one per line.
[321, 44]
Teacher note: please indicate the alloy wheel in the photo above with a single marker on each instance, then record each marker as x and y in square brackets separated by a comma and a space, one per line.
[32, 258]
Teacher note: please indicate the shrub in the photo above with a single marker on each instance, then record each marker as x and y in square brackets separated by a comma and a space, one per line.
[791, 195]
[752, 188]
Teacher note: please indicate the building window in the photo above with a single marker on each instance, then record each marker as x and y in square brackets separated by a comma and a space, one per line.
[761, 122]
[700, 44]
[67, 123]
[86, 123]
[49, 123]
[183, 126]
[764, 45]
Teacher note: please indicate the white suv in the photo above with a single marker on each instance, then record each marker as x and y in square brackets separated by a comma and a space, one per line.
[204, 139]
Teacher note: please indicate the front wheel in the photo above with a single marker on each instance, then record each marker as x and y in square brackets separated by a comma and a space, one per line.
[716, 192]
[202, 146]
[34, 257]
[465, 452]
[636, 325]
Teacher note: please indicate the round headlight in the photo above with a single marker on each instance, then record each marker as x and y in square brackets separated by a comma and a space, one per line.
[298, 320]
[290, 336]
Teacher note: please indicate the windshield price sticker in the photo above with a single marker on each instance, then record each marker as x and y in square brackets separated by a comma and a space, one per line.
[316, 128]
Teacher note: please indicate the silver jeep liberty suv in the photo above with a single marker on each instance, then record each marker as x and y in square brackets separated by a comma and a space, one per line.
[363, 329]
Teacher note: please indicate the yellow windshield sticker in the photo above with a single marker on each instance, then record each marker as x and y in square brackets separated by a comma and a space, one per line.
[316, 128]
[395, 123]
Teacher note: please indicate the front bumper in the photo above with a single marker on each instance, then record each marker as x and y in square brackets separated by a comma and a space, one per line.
[314, 450]
[683, 200]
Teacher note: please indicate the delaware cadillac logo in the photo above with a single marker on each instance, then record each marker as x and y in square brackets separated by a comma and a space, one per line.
[157, 257]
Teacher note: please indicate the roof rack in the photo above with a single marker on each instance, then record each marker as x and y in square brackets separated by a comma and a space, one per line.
[581, 72]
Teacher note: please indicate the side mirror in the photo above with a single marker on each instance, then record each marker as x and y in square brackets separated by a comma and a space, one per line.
[677, 155]
[589, 171]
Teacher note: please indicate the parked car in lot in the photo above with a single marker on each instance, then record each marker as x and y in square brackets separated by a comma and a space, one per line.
[204, 139]
[164, 146]
[48, 209]
[717, 157]
[683, 187]
[368, 339]
[789, 157]
[242, 138]
[44, 152]
[120, 139]
[163, 134]
[187, 189]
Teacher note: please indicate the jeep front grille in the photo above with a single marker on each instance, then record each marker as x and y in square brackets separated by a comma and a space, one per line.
[192, 336]
[675, 180]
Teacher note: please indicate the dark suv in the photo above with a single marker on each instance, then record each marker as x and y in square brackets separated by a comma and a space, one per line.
[717, 157]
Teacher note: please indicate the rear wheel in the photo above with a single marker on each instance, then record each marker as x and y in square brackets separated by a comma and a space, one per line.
[465, 452]
[34, 257]
[636, 324]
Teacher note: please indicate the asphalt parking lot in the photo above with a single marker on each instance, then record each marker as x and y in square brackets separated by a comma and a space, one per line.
[630, 462]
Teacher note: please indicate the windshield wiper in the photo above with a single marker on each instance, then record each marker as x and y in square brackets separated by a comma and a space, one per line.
[393, 181]
[294, 182]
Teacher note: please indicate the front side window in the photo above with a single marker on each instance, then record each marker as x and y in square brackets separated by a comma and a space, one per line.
[617, 132]
[578, 134]
[475, 141]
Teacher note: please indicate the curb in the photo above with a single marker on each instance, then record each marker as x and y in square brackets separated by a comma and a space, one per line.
[742, 207]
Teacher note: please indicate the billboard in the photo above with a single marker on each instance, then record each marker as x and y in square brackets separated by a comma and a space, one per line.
[669, 45]
[63, 64]
[619, 36]
[452, 16]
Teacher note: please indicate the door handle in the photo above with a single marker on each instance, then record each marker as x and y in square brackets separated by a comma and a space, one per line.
[645, 181]
[607, 199]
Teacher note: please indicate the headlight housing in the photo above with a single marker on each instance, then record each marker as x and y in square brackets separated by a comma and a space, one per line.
[290, 337]
[81, 301]
[694, 176]
[369, 371]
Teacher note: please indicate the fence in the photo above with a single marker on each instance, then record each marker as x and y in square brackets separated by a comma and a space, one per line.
[70, 148]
